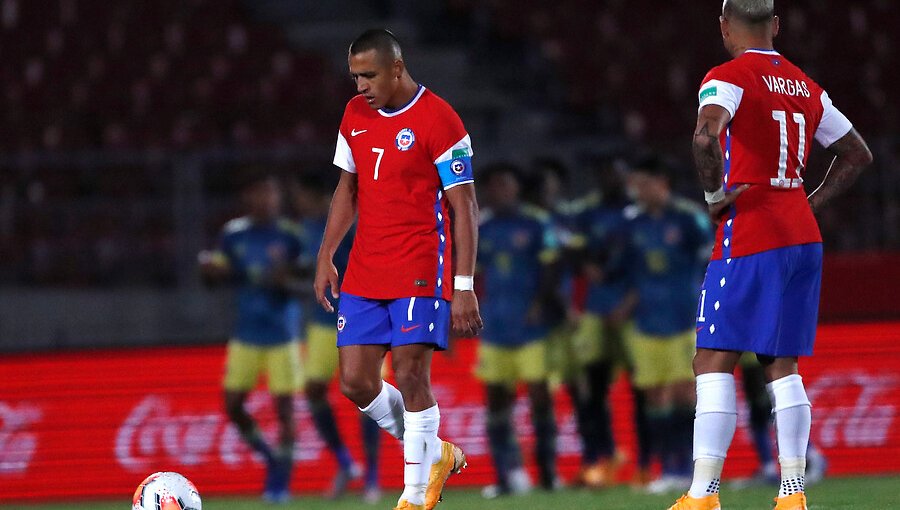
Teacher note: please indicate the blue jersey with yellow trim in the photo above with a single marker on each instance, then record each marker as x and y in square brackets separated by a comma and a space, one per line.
[666, 254]
[513, 248]
[267, 315]
[603, 230]
[312, 231]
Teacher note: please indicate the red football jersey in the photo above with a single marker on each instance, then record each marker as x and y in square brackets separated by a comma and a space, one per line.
[404, 159]
[776, 111]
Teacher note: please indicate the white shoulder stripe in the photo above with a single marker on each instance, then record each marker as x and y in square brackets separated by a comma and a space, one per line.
[721, 93]
[343, 157]
[464, 143]
[833, 125]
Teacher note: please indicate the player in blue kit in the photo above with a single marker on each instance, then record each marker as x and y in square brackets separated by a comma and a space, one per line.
[319, 353]
[668, 239]
[259, 253]
[517, 250]
[597, 341]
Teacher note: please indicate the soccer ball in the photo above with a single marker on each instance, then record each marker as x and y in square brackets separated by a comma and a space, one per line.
[166, 491]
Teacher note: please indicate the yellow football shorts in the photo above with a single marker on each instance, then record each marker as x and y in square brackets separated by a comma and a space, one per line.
[320, 353]
[591, 341]
[510, 365]
[660, 360]
[245, 362]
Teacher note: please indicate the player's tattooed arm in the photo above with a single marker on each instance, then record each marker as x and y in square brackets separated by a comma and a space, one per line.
[708, 157]
[708, 153]
[852, 157]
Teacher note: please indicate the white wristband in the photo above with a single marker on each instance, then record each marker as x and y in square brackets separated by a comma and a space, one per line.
[715, 196]
[463, 283]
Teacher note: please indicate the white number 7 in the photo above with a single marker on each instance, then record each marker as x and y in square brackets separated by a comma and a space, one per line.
[380, 152]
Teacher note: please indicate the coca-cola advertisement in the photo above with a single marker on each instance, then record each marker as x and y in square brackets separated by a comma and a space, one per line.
[94, 423]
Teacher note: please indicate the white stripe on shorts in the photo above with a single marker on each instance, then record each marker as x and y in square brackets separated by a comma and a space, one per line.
[412, 301]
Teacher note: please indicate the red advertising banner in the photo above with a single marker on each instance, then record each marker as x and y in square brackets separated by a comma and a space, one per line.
[94, 423]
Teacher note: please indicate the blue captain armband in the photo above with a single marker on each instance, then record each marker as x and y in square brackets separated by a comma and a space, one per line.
[456, 170]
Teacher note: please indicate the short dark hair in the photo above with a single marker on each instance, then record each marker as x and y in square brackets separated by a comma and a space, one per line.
[381, 40]
[316, 182]
[251, 177]
[651, 163]
[488, 173]
[549, 164]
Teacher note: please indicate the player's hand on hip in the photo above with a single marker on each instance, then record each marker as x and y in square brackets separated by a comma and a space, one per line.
[464, 315]
[717, 209]
[326, 277]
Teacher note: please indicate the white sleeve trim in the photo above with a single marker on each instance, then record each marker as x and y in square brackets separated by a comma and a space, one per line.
[721, 93]
[343, 156]
[834, 124]
[455, 184]
[464, 143]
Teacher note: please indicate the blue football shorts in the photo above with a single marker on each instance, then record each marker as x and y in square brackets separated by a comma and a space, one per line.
[393, 322]
[766, 303]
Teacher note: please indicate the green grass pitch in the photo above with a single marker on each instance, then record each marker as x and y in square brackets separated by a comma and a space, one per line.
[862, 493]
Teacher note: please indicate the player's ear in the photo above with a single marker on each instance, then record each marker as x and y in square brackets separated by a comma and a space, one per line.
[399, 67]
[776, 24]
[723, 26]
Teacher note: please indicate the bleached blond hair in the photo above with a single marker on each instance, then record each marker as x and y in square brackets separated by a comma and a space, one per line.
[752, 11]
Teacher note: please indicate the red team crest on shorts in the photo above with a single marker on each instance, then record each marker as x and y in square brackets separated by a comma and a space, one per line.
[341, 322]
[405, 139]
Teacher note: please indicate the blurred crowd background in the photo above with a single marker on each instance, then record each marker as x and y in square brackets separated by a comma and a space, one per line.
[124, 126]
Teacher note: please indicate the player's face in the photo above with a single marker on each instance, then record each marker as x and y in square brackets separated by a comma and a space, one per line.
[552, 188]
[305, 200]
[376, 77]
[263, 199]
[647, 189]
[503, 191]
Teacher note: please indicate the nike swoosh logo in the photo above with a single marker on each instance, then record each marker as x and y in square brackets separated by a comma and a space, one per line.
[404, 329]
[354, 132]
[700, 329]
[411, 463]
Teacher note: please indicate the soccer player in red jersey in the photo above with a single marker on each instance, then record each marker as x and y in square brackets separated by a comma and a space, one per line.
[406, 161]
[758, 116]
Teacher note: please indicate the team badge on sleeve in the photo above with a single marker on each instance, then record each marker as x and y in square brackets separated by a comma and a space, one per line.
[457, 167]
[405, 139]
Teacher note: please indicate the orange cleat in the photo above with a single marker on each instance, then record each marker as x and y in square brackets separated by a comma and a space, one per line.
[796, 501]
[686, 502]
[453, 460]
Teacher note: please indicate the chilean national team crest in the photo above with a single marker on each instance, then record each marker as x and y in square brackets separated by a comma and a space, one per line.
[405, 139]
[341, 322]
[457, 166]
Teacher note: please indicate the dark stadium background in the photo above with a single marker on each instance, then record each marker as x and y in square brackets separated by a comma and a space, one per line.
[124, 126]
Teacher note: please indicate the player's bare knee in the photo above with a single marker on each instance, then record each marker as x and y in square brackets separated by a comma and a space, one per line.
[539, 394]
[234, 407]
[776, 368]
[360, 390]
[316, 391]
[707, 361]
[412, 378]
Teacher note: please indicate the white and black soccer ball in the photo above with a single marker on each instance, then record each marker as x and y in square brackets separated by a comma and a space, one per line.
[166, 490]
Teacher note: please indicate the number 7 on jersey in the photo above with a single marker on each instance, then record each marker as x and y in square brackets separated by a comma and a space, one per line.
[380, 152]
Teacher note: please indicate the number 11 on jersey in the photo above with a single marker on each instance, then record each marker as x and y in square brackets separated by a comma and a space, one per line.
[380, 152]
[783, 181]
